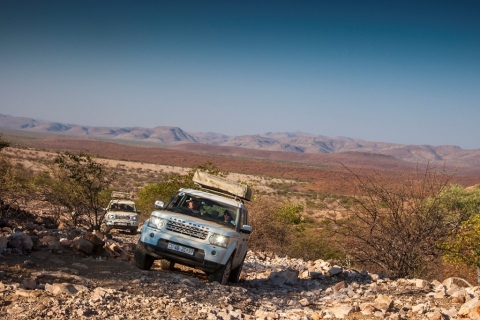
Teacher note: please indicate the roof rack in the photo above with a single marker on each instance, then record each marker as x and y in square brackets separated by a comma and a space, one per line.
[218, 192]
[122, 195]
[222, 186]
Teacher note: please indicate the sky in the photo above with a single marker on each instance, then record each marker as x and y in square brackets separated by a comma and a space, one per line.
[404, 72]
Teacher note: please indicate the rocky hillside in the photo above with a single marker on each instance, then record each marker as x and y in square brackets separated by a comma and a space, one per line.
[49, 271]
[298, 142]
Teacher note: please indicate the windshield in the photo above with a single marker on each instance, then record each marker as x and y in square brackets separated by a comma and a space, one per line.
[203, 208]
[118, 206]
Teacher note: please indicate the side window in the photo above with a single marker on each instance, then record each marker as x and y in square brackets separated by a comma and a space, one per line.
[174, 201]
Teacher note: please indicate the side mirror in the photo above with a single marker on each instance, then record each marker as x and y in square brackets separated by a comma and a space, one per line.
[138, 211]
[246, 229]
[159, 204]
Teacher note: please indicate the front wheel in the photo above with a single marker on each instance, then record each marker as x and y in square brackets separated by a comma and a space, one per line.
[222, 274]
[142, 260]
[235, 274]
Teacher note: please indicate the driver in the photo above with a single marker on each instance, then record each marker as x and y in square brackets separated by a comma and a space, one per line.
[193, 205]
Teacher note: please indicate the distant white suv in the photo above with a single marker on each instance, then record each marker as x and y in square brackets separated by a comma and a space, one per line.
[122, 213]
[206, 229]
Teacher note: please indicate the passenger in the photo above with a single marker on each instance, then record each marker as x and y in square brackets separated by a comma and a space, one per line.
[227, 217]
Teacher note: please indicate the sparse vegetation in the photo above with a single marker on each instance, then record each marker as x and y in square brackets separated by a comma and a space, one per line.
[396, 228]
[287, 213]
[462, 243]
[77, 184]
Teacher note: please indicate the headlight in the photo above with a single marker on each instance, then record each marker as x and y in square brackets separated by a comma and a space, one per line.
[134, 217]
[156, 222]
[219, 240]
[111, 216]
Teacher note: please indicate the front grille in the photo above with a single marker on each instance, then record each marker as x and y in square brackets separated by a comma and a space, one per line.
[122, 217]
[186, 229]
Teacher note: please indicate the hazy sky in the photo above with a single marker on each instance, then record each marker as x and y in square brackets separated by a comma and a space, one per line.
[394, 71]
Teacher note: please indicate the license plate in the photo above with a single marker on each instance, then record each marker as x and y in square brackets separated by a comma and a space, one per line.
[121, 223]
[180, 248]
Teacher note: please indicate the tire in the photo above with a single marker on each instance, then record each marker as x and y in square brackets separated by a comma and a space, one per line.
[166, 264]
[141, 258]
[235, 274]
[133, 231]
[222, 274]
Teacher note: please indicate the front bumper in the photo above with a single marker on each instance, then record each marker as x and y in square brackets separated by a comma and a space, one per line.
[206, 257]
[197, 260]
[122, 224]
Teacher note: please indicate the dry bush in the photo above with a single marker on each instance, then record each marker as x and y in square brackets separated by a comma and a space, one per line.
[277, 224]
[269, 234]
[395, 228]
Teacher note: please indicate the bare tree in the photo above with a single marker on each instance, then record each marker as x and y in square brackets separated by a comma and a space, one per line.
[396, 228]
[79, 182]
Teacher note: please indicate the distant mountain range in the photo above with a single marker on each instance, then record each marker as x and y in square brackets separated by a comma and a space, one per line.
[298, 142]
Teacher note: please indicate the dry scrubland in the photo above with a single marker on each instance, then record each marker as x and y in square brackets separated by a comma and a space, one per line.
[308, 179]
[311, 181]
[133, 175]
[318, 172]
[112, 287]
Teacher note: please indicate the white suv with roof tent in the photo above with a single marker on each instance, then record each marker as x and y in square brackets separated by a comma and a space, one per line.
[206, 229]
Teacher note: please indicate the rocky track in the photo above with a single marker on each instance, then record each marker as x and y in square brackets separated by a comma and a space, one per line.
[74, 274]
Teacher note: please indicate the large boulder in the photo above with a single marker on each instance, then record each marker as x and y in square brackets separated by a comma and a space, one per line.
[83, 245]
[96, 239]
[20, 242]
[283, 277]
[470, 309]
